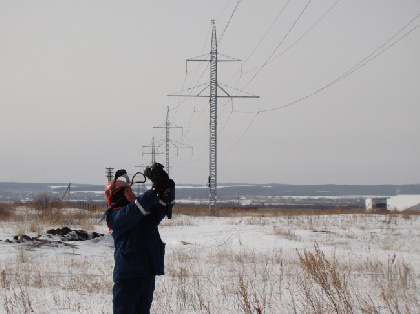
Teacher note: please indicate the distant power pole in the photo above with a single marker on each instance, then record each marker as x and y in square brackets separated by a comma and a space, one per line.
[67, 192]
[212, 181]
[167, 127]
[167, 140]
[142, 187]
[153, 152]
[109, 174]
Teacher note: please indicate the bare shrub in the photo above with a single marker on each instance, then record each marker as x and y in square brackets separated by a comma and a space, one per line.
[21, 257]
[36, 227]
[324, 274]
[44, 201]
[5, 281]
[286, 233]
[87, 224]
[5, 211]
[250, 304]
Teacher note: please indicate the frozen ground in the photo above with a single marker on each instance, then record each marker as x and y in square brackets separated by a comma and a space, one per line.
[252, 264]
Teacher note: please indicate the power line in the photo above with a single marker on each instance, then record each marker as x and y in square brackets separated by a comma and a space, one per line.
[266, 33]
[360, 64]
[242, 135]
[224, 9]
[270, 57]
[305, 33]
[278, 46]
[181, 102]
[297, 40]
[228, 23]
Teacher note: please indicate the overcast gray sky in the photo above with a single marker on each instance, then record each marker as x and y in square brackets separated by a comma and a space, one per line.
[84, 85]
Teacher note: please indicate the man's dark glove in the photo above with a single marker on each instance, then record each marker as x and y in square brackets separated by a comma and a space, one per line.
[160, 186]
[171, 183]
[155, 173]
[148, 173]
[168, 198]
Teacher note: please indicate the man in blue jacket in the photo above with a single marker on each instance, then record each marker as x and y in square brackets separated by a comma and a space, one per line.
[139, 250]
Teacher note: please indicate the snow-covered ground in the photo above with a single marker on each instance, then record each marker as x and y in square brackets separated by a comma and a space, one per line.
[251, 264]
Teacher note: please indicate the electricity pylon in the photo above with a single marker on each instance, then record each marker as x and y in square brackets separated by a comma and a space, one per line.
[167, 127]
[153, 152]
[109, 173]
[212, 181]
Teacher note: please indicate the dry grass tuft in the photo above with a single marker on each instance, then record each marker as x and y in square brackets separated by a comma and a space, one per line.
[325, 276]
[6, 211]
[285, 233]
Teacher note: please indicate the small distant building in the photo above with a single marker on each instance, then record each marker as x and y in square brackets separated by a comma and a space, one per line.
[394, 203]
[404, 202]
[376, 203]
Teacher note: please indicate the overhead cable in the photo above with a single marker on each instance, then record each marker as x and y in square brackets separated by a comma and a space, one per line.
[303, 35]
[227, 25]
[376, 53]
[265, 35]
[278, 46]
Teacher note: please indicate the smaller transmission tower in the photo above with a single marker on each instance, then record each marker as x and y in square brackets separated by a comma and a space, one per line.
[167, 127]
[109, 174]
[154, 152]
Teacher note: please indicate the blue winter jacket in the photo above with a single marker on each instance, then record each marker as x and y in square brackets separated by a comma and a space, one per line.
[139, 250]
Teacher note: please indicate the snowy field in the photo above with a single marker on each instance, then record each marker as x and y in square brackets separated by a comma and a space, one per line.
[259, 262]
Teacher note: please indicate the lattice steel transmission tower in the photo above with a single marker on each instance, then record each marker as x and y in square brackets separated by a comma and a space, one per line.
[154, 152]
[212, 180]
[213, 123]
[167, 127]
[108, 173]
